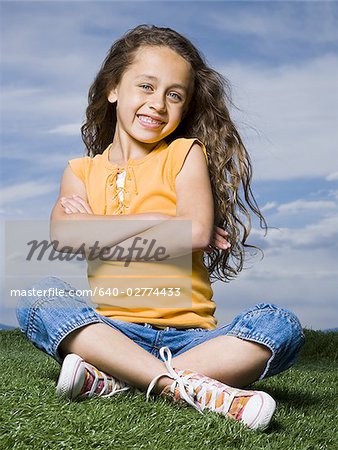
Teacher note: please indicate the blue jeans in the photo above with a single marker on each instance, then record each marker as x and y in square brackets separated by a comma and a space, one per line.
[46, 321]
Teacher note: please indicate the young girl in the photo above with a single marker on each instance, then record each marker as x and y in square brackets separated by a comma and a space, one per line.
[161, 148]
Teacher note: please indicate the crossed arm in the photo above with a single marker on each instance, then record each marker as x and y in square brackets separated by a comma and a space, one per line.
[74, 204]
[73, 222]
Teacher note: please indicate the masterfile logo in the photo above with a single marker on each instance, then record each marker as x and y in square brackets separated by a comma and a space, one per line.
[146, 270]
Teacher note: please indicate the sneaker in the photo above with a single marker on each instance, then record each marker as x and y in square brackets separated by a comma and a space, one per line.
[253, 408]
[79, 380]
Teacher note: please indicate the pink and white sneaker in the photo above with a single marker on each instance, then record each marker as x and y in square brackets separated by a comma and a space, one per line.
[79, 380]
[253, 408]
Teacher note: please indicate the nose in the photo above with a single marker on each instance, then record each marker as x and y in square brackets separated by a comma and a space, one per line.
[157, 102]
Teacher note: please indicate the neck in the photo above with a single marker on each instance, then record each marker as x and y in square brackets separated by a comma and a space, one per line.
[124, 148]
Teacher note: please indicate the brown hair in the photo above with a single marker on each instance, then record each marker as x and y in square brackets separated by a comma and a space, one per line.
[230, 167]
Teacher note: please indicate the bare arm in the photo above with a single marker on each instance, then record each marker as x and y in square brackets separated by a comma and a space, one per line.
[85, 228]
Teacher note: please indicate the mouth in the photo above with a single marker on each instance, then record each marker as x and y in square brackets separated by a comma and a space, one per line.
[149, 121]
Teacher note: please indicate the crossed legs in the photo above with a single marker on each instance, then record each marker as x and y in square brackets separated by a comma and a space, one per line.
[228, 359]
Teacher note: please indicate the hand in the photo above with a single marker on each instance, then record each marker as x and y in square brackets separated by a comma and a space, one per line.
[75, 204]
[219, 240]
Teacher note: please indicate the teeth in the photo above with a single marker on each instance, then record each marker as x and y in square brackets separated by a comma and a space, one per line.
[148, 119]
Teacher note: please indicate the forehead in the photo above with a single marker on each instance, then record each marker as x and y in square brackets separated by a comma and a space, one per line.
[162, 63]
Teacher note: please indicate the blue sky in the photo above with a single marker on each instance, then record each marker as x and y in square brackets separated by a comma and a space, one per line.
[281, 59]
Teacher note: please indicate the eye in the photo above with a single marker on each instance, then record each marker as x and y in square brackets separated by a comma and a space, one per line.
[178, 97]
[145, 86]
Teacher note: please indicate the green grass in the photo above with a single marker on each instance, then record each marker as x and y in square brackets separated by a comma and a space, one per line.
[32, 416]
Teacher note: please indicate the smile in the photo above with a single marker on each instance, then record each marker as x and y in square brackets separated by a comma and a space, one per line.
[149, 122]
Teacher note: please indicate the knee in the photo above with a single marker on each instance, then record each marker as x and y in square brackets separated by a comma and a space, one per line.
[35, 291]
[30, 298]
[290, 334]
[281, 324]
[296, 329]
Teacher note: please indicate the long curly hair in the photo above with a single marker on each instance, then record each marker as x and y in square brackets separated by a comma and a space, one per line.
[207, 119]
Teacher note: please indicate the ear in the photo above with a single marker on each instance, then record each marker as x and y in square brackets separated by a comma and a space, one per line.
[112, 95]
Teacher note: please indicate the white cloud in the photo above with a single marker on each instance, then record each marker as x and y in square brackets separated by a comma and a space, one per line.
[70, 129]
[55, 161]
[322, 234]
[41, 107]
[26, 190]
[333, 193]
[298, 206]
[293, 108]
[268, 206]
[332, 176]
[280, 22]
[19, 93]
[312, 298]
[60, 42]
[299, 271]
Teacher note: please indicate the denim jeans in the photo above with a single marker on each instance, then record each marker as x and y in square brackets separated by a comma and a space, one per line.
[46, 321]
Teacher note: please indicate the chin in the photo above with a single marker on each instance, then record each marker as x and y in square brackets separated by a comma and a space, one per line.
[148, 140]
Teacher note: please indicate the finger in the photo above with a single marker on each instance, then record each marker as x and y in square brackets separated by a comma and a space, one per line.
[222, 238]
[219, 240]
[74, 206]
[67, 205]
[78, 206]
[73, 197]
[83, 203]
[221, 231]
[69, 197]
[222, 244]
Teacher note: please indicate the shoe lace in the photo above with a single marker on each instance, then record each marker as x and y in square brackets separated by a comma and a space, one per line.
[189, 387]
[117, 385]
[208, 386]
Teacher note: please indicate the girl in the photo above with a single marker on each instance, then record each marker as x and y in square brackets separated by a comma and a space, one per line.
[161, 147]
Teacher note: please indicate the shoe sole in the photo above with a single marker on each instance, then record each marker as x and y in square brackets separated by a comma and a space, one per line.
[67, 375]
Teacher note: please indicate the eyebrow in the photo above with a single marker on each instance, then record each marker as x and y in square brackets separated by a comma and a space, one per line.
[150, 77]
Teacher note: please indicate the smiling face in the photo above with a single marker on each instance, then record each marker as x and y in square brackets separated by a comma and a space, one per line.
[153, 94]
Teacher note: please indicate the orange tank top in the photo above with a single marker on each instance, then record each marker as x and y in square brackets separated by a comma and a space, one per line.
[144, 185]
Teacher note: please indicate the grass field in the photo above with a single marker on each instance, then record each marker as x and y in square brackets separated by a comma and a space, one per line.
[31, 416]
